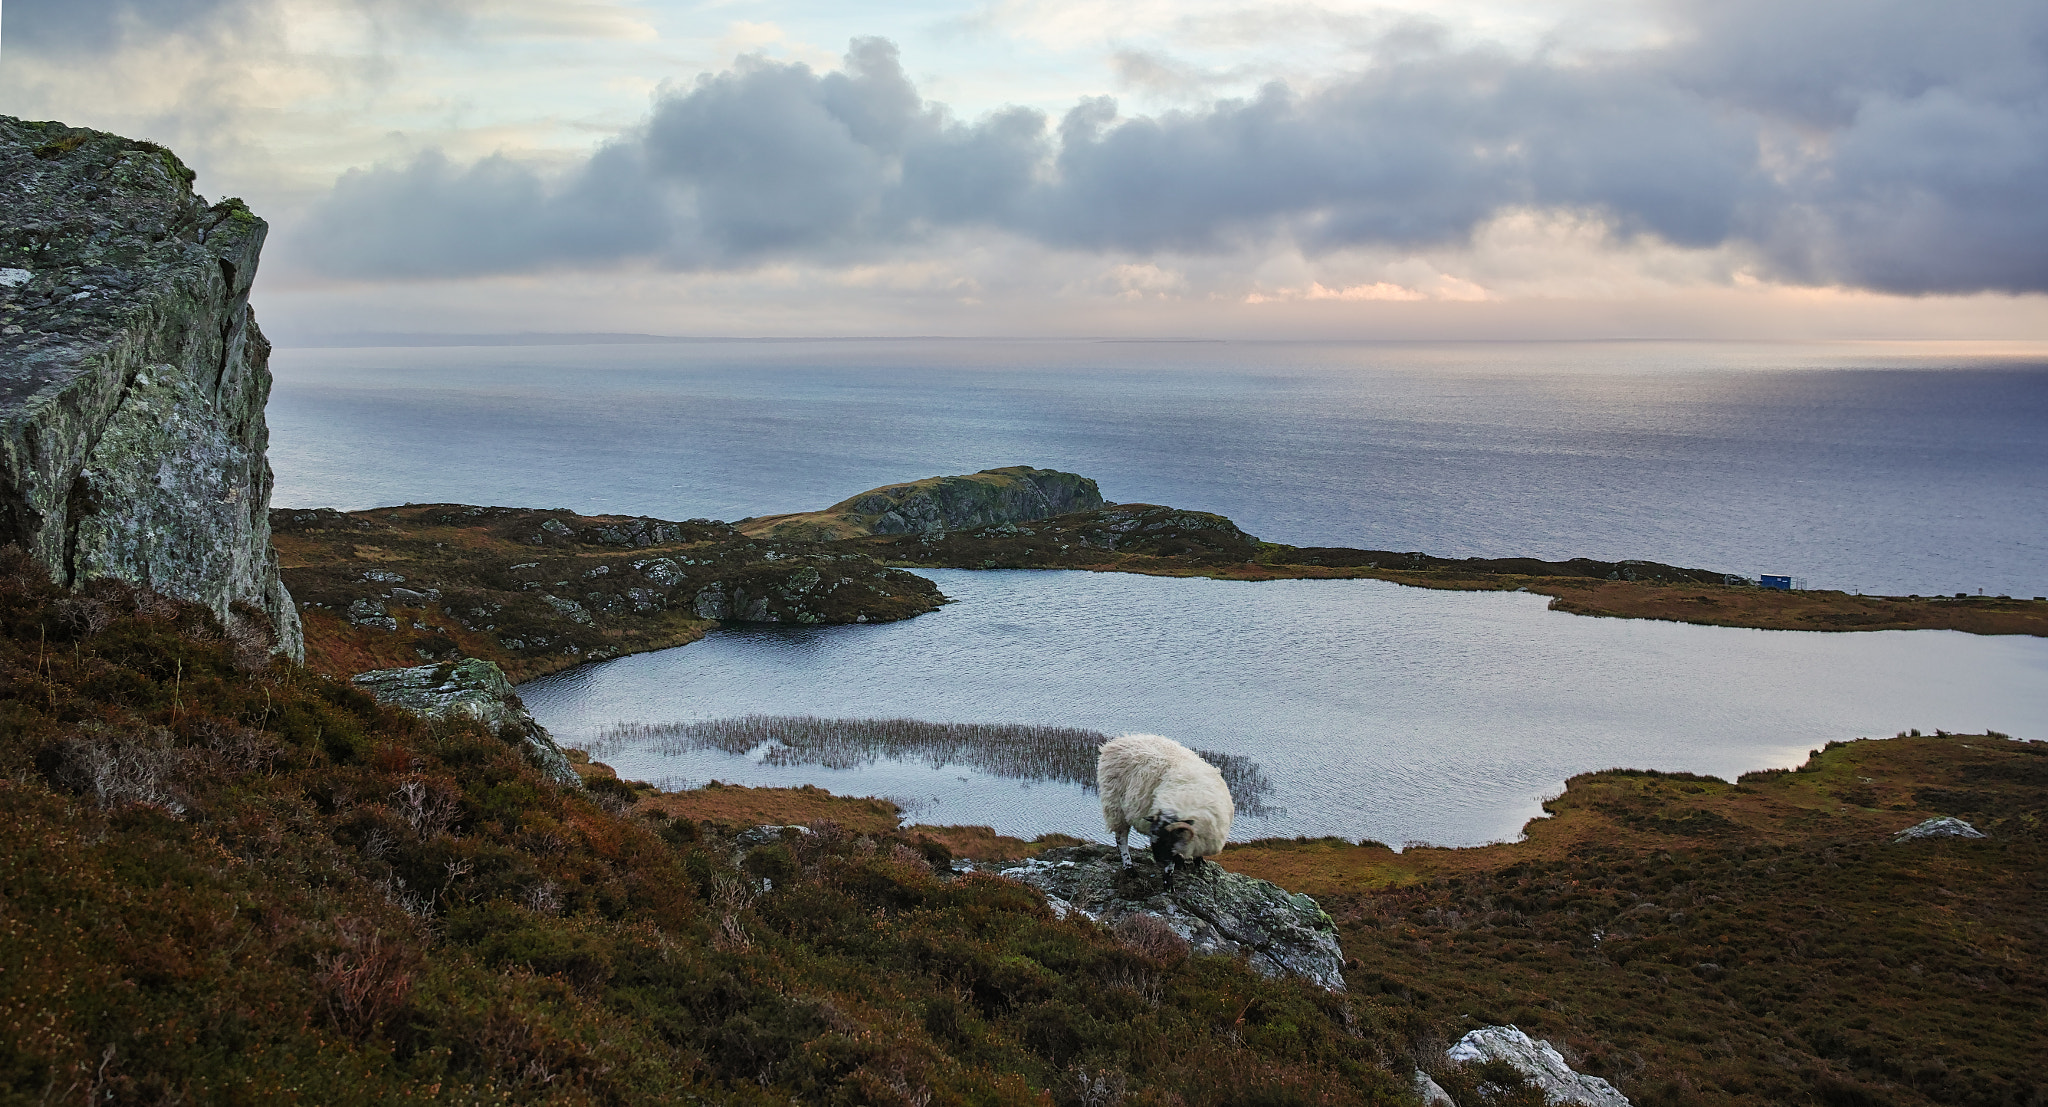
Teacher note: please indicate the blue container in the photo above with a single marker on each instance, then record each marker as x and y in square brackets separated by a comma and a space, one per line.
[1775, 582]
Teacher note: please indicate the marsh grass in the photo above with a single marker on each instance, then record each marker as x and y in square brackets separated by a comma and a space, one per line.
[1020, 751]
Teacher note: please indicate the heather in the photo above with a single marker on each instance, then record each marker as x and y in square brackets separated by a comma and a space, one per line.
[231, 880]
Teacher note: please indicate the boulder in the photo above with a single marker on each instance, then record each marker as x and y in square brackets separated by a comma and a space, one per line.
[1430, 1092]
[1016, 494]
[475, 689]
[1214, 910]
[1543, 1066]
[132, 375]
[1944, 826]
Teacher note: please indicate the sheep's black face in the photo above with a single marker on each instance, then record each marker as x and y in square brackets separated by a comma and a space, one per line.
[1163, 853]
[1174, 845]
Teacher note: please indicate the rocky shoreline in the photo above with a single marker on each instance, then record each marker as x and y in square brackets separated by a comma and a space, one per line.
[540, 591]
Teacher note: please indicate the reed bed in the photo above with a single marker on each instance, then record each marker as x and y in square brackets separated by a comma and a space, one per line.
[1021, 751]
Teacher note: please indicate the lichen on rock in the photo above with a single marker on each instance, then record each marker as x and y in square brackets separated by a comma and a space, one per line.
[476, 689]
[1539, 1063]
[133, 377]
[1214, 910]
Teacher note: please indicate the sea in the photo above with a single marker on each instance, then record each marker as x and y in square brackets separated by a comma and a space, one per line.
[1375, 710]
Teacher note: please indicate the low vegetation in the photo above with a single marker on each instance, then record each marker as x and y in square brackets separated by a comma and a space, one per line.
[228, 881]
[1762, 942]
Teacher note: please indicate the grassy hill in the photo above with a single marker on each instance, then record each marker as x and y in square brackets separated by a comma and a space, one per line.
[223, 882]
[228, 881]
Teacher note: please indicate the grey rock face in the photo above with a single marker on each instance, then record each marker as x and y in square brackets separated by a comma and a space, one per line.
[1430, 1092]
[476, 689]
[132, 375]
[1542, 1065]
[1214, 910]
[1946, 826]
[954, 503]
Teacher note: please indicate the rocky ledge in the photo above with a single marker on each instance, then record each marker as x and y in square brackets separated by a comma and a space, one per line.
[132, 375]
[477, 690]
[1213, 910]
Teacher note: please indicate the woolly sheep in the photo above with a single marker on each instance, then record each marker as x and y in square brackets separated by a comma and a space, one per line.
[1169, 793]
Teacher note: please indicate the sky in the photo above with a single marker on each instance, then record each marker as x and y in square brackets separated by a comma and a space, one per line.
[1745, 169]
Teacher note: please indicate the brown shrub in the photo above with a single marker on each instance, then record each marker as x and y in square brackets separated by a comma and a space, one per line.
[368, 978]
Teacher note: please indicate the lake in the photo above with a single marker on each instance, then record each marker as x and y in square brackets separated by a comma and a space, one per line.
[1375, 710]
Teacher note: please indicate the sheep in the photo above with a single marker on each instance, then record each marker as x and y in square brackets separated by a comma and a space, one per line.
[1167, 791]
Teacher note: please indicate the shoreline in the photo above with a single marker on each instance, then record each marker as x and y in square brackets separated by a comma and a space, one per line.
[539, 592]
[1772, 802]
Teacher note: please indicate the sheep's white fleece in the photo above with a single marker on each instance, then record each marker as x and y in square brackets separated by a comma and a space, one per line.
[1148, 781]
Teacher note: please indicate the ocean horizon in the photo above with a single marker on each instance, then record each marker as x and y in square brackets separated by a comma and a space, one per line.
[1878, 468]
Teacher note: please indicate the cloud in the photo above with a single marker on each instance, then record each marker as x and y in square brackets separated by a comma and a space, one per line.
[72, 27]
[1879, 144]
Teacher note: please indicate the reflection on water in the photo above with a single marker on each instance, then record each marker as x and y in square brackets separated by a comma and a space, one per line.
[1060, 754]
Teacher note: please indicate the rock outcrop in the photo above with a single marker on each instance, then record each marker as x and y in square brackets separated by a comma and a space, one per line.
[1214, 910]
[1538, 1063]
[934, 505]
[132, 375]
[1944, 826]
[474, 689]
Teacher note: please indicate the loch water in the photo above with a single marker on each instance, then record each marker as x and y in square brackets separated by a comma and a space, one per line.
[1376, 711]
[1379, 711]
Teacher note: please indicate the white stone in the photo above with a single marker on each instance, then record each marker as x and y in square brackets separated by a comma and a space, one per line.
[15, 278]
[1945, 826]
[1544, 1066]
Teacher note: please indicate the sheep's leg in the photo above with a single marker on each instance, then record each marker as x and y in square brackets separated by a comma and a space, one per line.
[1123, 845]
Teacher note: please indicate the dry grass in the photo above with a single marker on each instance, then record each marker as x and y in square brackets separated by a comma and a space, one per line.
[735, 806]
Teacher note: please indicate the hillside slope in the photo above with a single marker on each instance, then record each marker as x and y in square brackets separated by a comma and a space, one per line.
[227, 883]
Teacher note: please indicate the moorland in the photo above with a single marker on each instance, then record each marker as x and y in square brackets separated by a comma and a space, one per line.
[231, 879]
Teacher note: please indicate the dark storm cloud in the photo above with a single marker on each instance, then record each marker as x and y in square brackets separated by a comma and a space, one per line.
[1890, 145]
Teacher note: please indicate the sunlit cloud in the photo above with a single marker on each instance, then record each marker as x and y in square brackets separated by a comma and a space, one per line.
[1266, 164]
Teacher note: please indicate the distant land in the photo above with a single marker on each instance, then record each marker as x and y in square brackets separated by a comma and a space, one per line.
[538, 591]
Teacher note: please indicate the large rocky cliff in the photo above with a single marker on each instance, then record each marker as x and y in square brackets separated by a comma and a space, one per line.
[132, 375]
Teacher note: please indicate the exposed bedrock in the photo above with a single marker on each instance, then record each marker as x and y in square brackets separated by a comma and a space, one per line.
[132, 375]
[1213, 910]
[472, 689]
[1016, 494]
